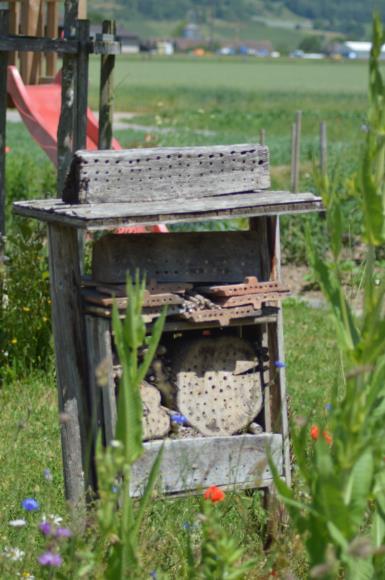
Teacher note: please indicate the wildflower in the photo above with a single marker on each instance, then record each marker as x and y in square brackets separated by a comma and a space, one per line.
[48, 474]
[328, 438]
[45, 319]
[314, 432]
[14, 554]
[279, 364]
[114, 488]
[50, 559]
[26, 575]
[63, 533]
[30, 504]
[14, 341]
[179, 419]
[17, 523]
[328, 406]
[45, 528]
[214, 494]
[153, 574]
[26, 309]
[116, 444]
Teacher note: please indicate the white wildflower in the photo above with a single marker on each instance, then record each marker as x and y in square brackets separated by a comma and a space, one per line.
[17, 523]
[14, 554]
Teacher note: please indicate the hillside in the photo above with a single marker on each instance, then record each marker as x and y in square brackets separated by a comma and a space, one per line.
[351, 17]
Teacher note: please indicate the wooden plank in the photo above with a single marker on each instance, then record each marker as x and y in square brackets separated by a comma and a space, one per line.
[110, 216]
[4, 24]
[37, 57]
[194, 464]
[106, 94]
[52, 32]
[81, 88]
[71, 364]
[28, 27]
[102, 384]
[278, 391]
[181, 257]
[25, 43]
[67, 124]
[166, 173]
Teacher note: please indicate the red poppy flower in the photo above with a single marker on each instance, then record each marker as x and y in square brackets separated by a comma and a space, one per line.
[314, 432]
[328, 438]
[214, 494]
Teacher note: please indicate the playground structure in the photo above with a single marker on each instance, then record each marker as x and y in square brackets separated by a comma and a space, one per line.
[37, 18]
[39, 108]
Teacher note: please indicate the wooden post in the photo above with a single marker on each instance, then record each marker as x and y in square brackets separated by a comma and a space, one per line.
[262, 136]
[323, 149]
[81, 87]
[71, 365]
[107, 65]
[296, 152]
[14, 21]
[52, 32]
[66, 129]
[4, 24]
[28, 25]
[37, 58]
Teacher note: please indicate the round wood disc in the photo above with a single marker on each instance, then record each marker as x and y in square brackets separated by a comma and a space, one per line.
[156, 422]
[218, 386]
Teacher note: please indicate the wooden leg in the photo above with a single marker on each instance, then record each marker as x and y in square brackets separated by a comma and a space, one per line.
[102, 384]
[71, 366]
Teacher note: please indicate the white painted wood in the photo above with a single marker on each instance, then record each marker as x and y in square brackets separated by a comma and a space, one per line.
[194, 464]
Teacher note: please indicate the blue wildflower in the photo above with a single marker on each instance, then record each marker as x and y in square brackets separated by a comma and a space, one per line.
[279, 364]
[179, 419]
[153, 574]
[30, 504]
[48, 474]
[328, 406]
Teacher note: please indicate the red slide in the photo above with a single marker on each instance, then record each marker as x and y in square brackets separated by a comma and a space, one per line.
[39, 107]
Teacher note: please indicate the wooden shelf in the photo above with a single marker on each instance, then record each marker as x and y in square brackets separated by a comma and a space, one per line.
[96, 216]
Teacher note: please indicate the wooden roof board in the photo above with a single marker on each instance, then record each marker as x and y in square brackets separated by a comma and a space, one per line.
[112, 215]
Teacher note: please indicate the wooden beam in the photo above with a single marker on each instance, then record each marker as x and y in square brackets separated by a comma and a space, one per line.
[4, 23]
[106, 95]
[52, 32]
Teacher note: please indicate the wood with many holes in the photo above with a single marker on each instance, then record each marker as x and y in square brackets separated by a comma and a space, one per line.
[180, 257]
[212, 392]
[138, 175]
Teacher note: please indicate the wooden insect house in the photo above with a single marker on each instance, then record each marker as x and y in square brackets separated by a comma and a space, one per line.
[218, 364]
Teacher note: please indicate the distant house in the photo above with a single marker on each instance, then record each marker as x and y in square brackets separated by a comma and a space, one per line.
[189, 44]
[262, 48]
[165, 47]
[130, 42]
[191, 31]
[361, 50]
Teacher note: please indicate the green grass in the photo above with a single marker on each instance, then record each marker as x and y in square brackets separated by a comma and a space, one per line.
[29, 443]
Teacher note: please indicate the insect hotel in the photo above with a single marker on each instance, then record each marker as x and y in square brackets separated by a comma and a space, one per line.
[216, 390]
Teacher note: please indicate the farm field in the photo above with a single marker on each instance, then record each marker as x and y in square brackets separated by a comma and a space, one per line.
[176, 102]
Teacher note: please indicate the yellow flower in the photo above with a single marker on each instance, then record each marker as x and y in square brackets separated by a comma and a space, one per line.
[14, 341]
[45, 319]
[26, 309]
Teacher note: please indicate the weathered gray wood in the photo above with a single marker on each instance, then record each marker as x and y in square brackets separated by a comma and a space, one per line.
[178, 257]
[4, 24]
[22, 43]
[101, 378]
[81, 89]
[193, 464]
[111, 216]
[106, 94]
[278, 391]
[71, 366]
[138, 175]
[323, 149]
[67, 125]
[296, 152]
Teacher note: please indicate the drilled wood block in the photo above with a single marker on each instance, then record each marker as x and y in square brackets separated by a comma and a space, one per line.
[183, 257]
[166, 173]
[213, 391]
